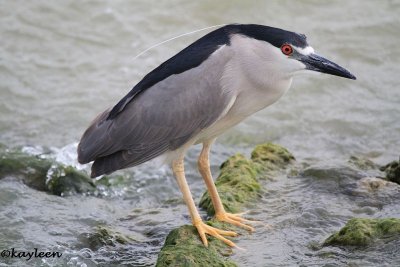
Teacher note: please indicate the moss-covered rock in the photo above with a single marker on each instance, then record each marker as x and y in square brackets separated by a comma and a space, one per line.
[363, 163]
[45, 174]
[271, 156]
[32, 169]
[362, 232]
[392, 171]
[237, 183]
[66, 180]
[183, 247]
[104, 236]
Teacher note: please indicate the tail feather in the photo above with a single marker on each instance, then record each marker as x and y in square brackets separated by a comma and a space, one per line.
[92, 142]
[125, 158]
[106, 165]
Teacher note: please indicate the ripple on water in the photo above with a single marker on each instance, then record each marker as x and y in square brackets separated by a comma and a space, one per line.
[64, 62]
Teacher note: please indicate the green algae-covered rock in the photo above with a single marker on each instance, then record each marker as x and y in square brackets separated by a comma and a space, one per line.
[44, 174]
[104, 236]
[363, 163]
[65, 180]
[392, 171]
[362, 232]
[237, 183]
[32, 169]
[183, 247]
[271, 156]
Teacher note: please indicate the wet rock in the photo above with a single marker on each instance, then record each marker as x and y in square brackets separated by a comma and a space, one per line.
[44, 174]
[342, 174]
[363, 163]
[30, 168]
[237, 183]
[392, 171]
[104, 236]
[362, 232]
[66, 180]
[271, 156]
[183, 247]
[372, 184]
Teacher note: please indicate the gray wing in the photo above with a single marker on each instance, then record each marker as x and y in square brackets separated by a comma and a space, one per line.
[163, 117]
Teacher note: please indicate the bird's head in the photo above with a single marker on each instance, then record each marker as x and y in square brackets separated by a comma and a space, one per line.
[309, 60]
[288, 52]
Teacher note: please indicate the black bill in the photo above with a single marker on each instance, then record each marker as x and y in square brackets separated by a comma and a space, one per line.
[321, 64]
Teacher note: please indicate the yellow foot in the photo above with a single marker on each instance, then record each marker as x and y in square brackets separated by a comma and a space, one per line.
[235, 219]
[204, 229]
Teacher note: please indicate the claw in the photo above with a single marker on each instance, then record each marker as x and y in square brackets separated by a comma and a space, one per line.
[204, 229]
[235, 219]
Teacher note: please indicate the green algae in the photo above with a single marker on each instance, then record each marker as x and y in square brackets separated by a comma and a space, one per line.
[33, 169]
[363, 232]
[45, 174]
[183, 247]
[63, 180]
[363, 163]
[271, 157]
[238, 182]
[104, 236]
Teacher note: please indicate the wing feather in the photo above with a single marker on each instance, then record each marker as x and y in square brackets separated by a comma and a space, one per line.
[160, 119]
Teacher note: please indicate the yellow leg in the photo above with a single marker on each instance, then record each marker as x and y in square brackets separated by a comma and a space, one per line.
[202, 228]
[220, 213]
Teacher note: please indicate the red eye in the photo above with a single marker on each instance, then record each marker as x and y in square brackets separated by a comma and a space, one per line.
[286, 49]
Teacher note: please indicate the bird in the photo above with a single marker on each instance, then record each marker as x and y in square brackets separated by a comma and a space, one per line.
[192, 98]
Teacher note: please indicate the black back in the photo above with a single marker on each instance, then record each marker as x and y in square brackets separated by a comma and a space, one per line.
[193, 55]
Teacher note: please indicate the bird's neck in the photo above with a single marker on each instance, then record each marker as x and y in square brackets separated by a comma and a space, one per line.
[252, 98]
[254, 75]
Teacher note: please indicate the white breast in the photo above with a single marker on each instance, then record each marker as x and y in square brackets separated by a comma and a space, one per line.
[251, 79]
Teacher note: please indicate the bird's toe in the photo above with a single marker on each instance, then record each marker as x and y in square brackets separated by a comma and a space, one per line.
[204, 229]
[235, 219]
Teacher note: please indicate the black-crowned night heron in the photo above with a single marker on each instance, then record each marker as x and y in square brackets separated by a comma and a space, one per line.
[193, 97]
